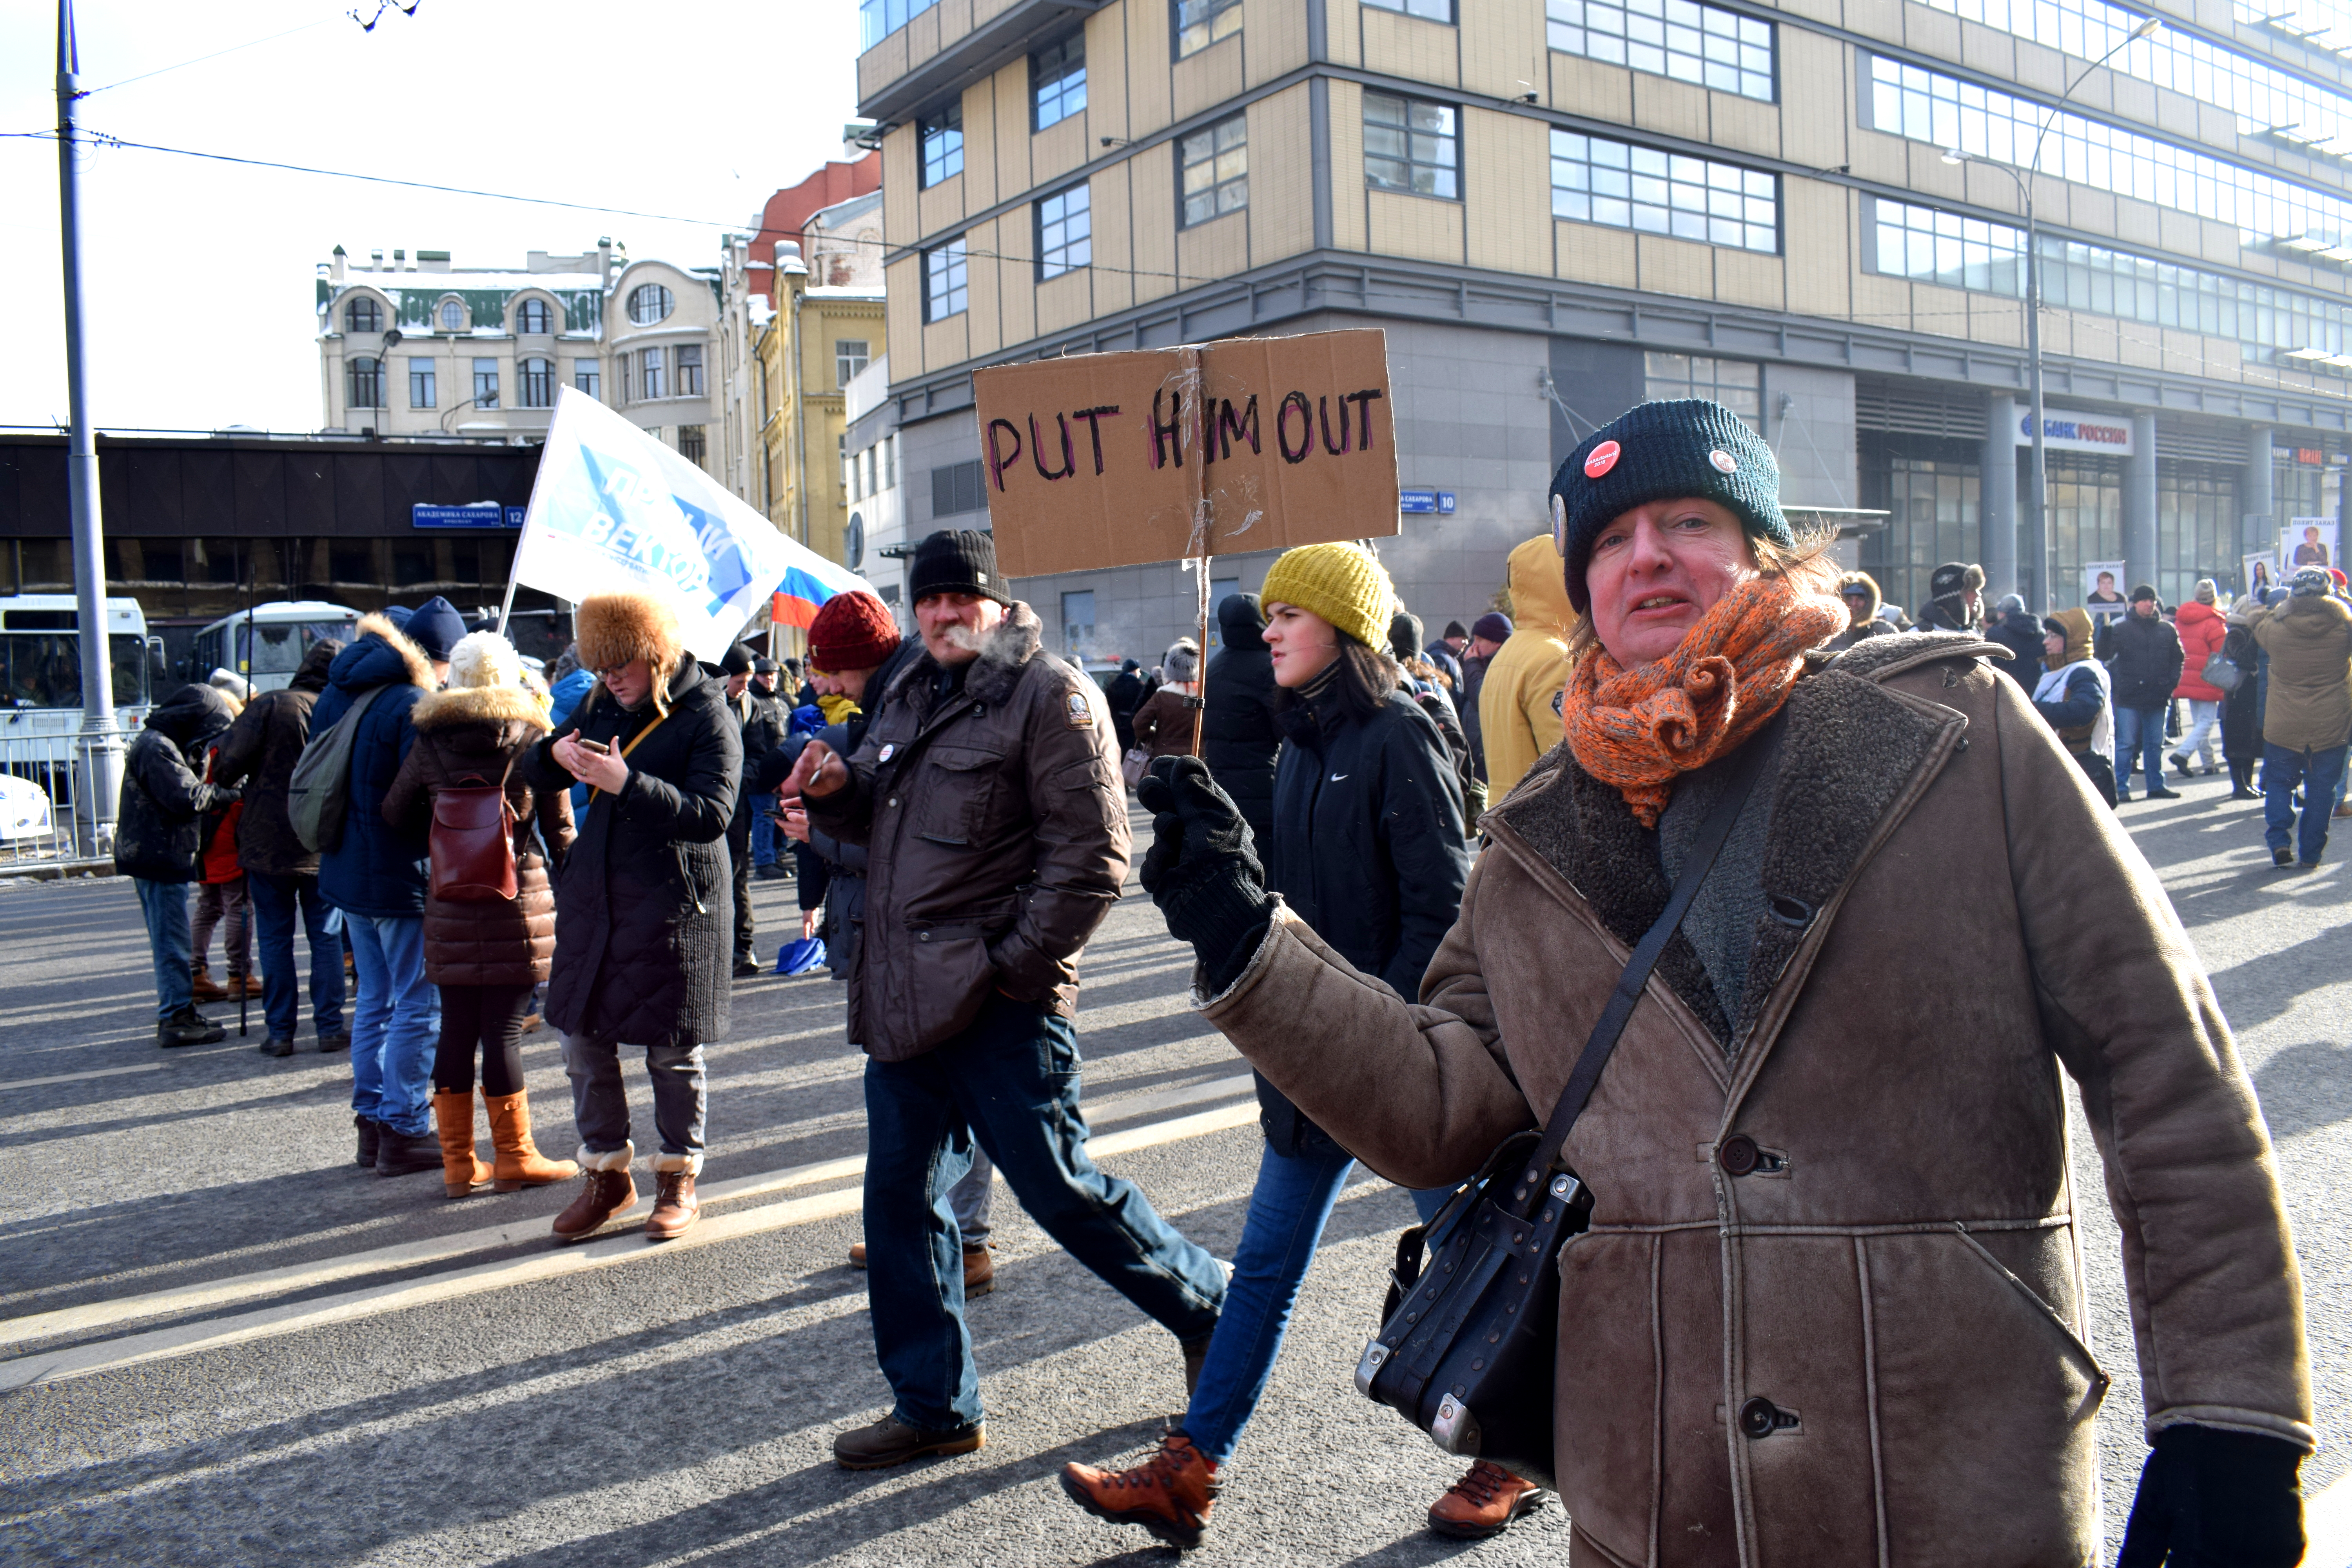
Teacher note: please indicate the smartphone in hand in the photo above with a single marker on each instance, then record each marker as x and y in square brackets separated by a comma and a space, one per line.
[601, 748]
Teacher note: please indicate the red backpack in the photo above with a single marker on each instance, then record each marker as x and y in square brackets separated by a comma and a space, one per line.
[472, 843]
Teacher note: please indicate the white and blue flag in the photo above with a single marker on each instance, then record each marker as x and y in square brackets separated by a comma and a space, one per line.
[614, 510]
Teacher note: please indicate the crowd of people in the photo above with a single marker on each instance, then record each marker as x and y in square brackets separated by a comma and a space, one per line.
[1410, 873]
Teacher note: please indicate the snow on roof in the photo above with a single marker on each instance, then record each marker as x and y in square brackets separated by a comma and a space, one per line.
[461, 282]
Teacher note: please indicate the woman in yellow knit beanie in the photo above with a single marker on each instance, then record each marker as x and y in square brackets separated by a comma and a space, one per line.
[1342, 583]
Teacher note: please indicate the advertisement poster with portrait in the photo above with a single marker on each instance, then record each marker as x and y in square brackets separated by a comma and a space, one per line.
[2259, 571]
[2307, 541]
[2103, 589]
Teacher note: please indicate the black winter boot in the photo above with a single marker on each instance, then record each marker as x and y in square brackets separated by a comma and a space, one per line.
[398, 1154]
[370, 1130]
[187, 1027]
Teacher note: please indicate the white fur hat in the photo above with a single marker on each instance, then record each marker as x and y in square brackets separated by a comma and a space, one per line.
[484, 659]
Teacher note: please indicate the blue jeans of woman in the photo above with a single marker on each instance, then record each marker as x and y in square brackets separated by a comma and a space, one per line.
[1289, 1207]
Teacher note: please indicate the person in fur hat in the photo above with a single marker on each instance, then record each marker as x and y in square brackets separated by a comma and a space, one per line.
[647, 905]
[1859, 592]
[1956, 599]
[487, 954]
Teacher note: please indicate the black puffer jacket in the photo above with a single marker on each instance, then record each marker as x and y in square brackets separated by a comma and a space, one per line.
[1367, 848]
[645, 900]
[1238, 737]
[260, 752]
[2018, 632]
[764, 719]
[2144, 658]
[158, 828]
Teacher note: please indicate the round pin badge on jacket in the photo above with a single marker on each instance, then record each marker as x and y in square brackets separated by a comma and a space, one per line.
[1601, 459]
[888, 751]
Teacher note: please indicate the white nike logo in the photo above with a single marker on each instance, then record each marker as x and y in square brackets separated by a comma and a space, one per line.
[1337, 777]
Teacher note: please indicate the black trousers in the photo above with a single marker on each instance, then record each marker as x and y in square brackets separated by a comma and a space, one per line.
[739, 850]
[491, 1016]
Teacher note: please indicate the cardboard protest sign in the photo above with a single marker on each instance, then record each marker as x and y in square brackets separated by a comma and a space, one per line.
[1164, 454]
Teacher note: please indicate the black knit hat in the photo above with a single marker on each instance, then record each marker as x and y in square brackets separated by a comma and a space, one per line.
[738, 661]
[1404, 635]
[957, 561]
[1954, 578]
[1663, 451]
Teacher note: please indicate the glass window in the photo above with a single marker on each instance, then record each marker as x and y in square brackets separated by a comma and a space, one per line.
[651, 375]
[366, 375]
[1427, 10]
[956, 487]
[693, 444]
[1409, 145]
[1065, 233]
[1057, 81]
[1200, 23]
[945, 280]
[537, 378]
[1213, 164]
[586, 378]
[648, 303]
[689, 370]
[1931, 517]
[943, 140]
[486, 384]
[1596, 180]
[363, 315]
[1077, 621]
[1736, 384]
[1704, 45]
[422, 392]
[533, 316]
[848, 360]
[877, 19]
[453, 316]
[889, 460]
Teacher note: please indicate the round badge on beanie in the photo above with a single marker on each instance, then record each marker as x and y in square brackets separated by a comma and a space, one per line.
[1664, 451]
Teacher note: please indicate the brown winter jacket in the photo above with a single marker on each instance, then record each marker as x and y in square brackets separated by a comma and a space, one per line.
[260, 752]
[474, 734]
[1897, 1271]
[1163, 725]
[995, 828]
[2309, 705]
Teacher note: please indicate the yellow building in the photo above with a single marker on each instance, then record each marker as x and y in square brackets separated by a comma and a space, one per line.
[817, 340]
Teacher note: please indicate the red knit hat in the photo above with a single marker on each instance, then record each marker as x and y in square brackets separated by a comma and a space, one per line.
[852, 631]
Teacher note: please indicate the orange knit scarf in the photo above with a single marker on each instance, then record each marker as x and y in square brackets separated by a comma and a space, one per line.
[1640, 729]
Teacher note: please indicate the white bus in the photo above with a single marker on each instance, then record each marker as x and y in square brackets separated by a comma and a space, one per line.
[268, 643]
[40, 709]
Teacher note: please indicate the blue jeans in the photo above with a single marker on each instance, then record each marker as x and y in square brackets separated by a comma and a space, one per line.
[276, 900]
[396, 1022]
[2139, 736]
[1287, 1208]
[600, 1103]
[166, 906]
[763, 837]
[2320, 774]
[1010, 1083]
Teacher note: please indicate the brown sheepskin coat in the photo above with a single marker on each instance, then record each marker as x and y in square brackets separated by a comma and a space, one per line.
[470, 735]
[1896, 1269]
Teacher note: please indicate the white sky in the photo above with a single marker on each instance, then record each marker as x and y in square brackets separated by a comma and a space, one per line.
[201, 274]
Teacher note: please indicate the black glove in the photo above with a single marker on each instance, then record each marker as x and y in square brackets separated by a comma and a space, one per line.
[2214, 1499]
[1203, 869]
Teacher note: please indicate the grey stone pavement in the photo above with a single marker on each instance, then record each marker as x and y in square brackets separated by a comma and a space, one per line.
[255, 1353]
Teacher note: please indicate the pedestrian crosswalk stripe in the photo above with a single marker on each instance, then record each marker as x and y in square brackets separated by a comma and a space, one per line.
[78, 1077]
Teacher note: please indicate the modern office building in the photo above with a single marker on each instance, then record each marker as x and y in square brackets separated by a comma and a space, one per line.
[1555, 208]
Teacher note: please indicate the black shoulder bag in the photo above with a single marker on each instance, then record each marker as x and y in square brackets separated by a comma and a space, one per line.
[1466, 1346]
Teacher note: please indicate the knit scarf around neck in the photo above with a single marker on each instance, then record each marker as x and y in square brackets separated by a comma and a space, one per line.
[1643, 728]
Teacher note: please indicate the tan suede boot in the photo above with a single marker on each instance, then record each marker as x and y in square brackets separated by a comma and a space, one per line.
[520, 1162]
[453, 1117]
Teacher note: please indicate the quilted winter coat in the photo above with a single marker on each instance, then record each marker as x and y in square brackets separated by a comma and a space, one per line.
[1845, 1192]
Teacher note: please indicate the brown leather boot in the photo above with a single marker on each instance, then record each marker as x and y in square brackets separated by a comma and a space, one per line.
[675, 1204]
[206, 989]
[1484, 1502]
[453, 1117]
[1170, 1494]
[520, 1162]
[606, 1191]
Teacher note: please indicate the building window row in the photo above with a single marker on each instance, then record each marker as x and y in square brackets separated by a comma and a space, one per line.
[1057, 81]
[1065, 231]
[1923, 105]
[877, 19]
[1427, 10]
[942, 143]
[1704, 45]
[1736, 384]
[1412, 145]
[2264, 98]
[533, 316]
[1200, 23]
[1596, 180]
[1212, 168]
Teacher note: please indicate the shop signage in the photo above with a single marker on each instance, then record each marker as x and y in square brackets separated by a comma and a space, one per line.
[480, 514]
[2070, 433]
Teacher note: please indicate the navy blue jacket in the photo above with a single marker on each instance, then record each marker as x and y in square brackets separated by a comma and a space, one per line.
[375, 870]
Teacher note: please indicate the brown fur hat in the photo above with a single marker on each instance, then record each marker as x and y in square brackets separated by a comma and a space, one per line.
[611, 629]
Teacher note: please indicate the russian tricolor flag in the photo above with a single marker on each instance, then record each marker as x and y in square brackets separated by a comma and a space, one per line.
[809, 580]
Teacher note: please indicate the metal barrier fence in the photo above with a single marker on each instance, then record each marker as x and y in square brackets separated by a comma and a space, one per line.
[58, 790]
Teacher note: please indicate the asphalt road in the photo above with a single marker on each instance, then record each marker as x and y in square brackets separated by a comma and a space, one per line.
[225, 1344]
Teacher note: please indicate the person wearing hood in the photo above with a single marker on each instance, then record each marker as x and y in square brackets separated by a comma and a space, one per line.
[1488, 633]
[2015, 629]
[281, 873]
[485, 951]
[1829, 1308]
[761, 727]
[1163, 725]
[158, 837]
[223, 902]
[1433, 690]
[1519, 701]
[376, 875]
[2073, 697]
[1956, 599]
[2144, 659]
[2202, 632]
[1238, 738]
[2242, 706]
[1123, 696]
[2306, 716]
[1858, 591]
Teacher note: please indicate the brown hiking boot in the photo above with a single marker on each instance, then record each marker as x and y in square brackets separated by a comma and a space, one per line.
[207, 989]
[520, 1162]
[605, 1192]
[252, 983]
[978, 1271]
[891, 1441]
[675, 1204]
[1170, 1494]
[1484, 1502]
[857, 1255]
[462, 1174]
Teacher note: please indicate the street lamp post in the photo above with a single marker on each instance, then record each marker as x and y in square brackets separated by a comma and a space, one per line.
[2037, 482]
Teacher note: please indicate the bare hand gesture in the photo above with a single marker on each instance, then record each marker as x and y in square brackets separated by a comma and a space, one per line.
[819, 773]
[605, 771]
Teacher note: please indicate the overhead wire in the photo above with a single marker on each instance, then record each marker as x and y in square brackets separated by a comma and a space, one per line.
[200, 60]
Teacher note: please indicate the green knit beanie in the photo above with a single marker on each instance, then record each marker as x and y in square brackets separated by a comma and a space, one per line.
[1663, 451]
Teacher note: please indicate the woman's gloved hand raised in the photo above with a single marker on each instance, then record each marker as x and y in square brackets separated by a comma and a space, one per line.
[1203, 869]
